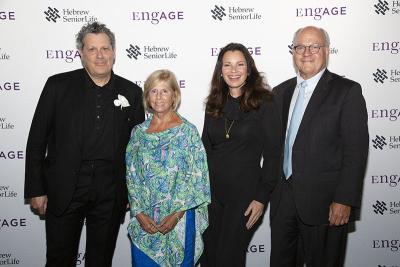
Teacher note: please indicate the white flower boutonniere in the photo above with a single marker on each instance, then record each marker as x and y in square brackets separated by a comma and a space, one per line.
[121, 102]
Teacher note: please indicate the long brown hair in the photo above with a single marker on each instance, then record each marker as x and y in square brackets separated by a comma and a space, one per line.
[254, 90]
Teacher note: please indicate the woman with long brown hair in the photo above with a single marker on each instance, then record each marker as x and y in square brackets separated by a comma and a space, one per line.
[241, 127]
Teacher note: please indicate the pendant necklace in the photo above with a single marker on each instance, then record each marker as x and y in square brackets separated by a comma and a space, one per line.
[227, 131]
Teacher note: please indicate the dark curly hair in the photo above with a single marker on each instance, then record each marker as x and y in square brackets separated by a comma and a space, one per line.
[254, 90]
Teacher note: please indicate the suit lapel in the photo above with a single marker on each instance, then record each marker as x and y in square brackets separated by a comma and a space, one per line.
[118, 90]
[318, 96]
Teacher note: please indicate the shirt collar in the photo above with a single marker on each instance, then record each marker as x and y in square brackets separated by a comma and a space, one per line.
[312, 82]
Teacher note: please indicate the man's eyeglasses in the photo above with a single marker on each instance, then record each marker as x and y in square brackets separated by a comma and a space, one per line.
[301, 49]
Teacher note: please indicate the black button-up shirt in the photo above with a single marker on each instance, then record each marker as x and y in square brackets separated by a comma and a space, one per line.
[98, 133]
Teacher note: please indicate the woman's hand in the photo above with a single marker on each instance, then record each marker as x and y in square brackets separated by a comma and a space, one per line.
[169, 222]
[147, 223]
[255, 210]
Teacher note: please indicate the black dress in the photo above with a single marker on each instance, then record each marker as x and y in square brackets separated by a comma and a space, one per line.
[236, 176]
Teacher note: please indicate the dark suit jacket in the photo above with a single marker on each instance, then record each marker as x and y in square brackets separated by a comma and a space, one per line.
[53, 152]
[330, 151]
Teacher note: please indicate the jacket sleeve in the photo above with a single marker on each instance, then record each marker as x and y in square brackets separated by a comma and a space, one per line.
[39, 134]
[355, 139]
[271, 151]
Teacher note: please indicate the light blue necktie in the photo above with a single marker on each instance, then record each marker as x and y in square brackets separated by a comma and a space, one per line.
[293, 128]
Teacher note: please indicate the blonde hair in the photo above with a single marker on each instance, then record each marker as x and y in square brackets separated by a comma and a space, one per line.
[157, 77]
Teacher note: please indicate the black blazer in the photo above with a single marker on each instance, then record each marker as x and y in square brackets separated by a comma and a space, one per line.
[330, 151]
[53, 152]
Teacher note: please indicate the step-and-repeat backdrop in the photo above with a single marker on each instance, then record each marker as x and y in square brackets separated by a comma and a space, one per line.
[37, 40]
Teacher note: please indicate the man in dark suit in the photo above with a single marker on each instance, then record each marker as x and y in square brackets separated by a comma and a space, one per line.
[75, 155]
[325, 148]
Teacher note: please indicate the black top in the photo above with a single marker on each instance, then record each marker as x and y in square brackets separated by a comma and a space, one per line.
[234, 162]
[98, 120]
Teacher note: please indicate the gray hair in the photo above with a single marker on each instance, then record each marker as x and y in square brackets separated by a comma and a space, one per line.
[325, 33]
[94, 27]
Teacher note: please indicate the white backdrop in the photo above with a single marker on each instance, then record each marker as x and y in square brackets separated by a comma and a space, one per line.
[37, 40]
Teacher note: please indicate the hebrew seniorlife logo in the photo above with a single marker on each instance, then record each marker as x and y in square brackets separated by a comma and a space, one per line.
[6, 124]
[68, 15]
[332, 50]
[52, 14]
[7, 192]
[150, 52]
[386, 207]
[4, 55]
[7, 259]
[383, 7]
[379, 207]
[235, 13]
[218, 12]
[381, 75]
[381, 142]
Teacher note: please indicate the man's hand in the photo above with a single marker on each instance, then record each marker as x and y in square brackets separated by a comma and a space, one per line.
[147, 223]
[339, 214]
[39, 204]
[255, 210]
[169, 222]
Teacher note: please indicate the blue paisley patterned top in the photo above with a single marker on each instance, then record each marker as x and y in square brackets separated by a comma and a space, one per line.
[167, 172]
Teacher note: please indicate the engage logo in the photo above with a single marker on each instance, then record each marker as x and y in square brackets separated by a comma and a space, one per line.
[317, 13]
[8, 86]
[7, 15]
[253, 50]
[12, 223]
[11, 154]
[391, 180]
[392, 47]
[391, 114]
[392, 245]
[155, 17]
[67, 55]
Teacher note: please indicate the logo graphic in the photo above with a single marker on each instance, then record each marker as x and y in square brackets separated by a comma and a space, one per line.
[318, 12]
[52, 14]
[133, 51]
[381, 7]
[254, 248]
[218, 12]
[379, 142]
[380, 75]
[379, 207]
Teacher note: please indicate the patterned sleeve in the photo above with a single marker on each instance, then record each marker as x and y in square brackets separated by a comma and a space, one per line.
[133, 181]
[197, 173]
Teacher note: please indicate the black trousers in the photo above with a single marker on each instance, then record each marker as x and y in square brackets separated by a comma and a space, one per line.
[226, 239]
[93, 203]
[294, 243]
